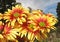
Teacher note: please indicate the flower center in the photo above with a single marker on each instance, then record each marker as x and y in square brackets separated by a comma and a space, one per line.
[16, 14]
[42, 24]
[31, 26]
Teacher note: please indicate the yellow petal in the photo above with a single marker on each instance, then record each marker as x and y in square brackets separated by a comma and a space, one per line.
[29, 36]
[9, 10]
[22, 35]
[14, 33]
[48, 30]
[38, 37]
[23, 19]
[32, 36]
[1, 36]
[8, 37]
[19, 20]
[42, 31]
[13, 23]
[44, 35]
[11, 37]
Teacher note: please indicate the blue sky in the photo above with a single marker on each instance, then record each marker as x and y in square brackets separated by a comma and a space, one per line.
[51, 8]
[45, 5]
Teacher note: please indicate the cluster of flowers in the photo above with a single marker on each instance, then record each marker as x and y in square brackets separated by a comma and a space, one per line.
[19, 21]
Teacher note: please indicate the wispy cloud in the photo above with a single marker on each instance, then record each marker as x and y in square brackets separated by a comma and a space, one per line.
[37, 4]
[40, 4]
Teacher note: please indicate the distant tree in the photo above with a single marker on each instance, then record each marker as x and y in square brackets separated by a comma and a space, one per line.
[58, 17]
[58, 11]
[5, 4]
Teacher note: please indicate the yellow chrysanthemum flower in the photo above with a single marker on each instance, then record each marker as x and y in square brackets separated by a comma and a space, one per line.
[18, 13]
[52, 20]
[37, 12]
[6, 32]
[43, 23]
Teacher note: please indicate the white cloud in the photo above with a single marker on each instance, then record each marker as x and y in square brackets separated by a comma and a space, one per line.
[37, 4]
